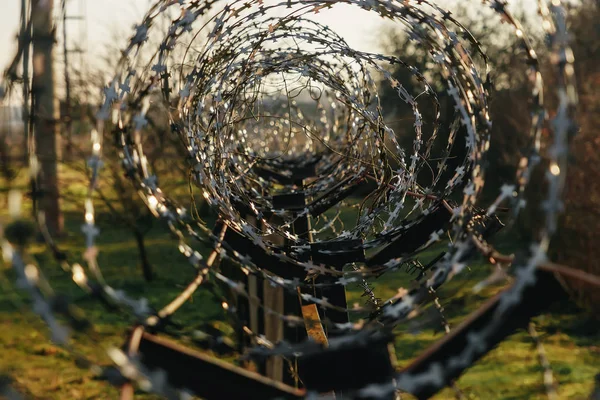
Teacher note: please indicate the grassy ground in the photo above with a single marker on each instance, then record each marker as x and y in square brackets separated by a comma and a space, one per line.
[511, 371]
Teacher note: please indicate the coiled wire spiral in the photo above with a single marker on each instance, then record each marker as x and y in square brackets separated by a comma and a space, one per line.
[230, 79]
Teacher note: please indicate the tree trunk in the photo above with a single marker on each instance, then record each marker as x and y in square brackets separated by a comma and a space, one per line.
[45, 112]
[146, 267]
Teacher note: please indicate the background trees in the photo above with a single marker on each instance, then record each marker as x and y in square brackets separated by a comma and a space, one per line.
[510, 109]
[577, 241]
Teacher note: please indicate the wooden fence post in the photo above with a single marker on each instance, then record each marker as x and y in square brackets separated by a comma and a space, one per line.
[45, 112]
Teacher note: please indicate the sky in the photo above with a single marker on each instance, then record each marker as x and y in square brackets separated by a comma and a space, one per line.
[110, 23]
[104, 17]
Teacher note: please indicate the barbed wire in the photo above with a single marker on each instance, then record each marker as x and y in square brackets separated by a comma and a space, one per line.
[262, 92]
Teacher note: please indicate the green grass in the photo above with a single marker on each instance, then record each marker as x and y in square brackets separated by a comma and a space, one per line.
[46, 371]
[41, 370]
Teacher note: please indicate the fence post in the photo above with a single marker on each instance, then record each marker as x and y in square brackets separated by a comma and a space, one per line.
[45, 112]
